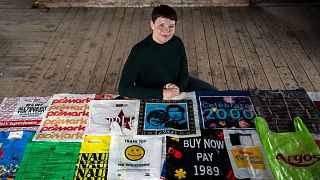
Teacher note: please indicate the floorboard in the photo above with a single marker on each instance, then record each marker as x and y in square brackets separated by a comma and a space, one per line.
[83, 50]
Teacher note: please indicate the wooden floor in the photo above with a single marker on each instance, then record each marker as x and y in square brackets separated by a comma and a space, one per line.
[84, 50]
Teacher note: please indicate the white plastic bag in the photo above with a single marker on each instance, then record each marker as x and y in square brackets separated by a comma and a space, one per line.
[246, 154]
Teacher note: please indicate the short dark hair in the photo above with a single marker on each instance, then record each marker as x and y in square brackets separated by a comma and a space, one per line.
[164, 11]
[181, 109]
[161, 114]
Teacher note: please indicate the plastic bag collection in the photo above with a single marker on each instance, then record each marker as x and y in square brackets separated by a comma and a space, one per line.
[201, 135]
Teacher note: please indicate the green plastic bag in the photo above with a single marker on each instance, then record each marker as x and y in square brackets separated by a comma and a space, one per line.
[291, 155]
[49, 160]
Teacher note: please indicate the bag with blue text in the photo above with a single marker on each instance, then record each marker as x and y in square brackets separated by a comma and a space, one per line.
[291, 155]
[225, 109]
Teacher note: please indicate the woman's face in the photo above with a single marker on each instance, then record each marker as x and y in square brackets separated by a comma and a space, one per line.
[156, 121]
[163, 29]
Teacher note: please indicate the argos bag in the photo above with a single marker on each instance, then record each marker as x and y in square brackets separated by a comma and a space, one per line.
[291, 155]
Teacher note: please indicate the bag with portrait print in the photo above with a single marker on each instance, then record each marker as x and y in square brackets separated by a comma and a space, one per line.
[291, 155]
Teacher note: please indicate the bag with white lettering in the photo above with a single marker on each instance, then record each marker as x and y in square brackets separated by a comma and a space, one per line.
[291, 155]
[246, 154]
[93, 158]
[202, 157]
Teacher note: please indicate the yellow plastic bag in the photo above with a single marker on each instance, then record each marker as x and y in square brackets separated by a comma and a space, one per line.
[93, 158]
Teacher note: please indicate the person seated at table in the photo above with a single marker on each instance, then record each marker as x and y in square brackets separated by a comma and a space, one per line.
[157, 66]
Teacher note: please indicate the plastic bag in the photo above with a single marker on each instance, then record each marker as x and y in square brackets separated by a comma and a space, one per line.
[49, 160]
[11, 153]
[291, 155]
[93, 158]
[134, 158]
[202, 157]
[246, 154]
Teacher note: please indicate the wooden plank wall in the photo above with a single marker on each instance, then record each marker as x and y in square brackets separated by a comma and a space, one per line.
[82, 50]
[140, 3]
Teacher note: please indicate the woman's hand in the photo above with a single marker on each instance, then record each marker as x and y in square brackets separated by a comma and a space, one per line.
[170, 90]
[171, 86]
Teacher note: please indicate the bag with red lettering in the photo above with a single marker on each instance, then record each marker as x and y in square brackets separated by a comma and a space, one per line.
[93, 158]
[291, 155]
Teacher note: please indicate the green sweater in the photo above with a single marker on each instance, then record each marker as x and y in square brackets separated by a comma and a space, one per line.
[150, 66]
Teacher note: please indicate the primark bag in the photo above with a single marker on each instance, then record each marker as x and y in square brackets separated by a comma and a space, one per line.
[291, 155]
[93, 158]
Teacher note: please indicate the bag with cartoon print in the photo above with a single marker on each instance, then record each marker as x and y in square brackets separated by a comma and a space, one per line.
[291, 155]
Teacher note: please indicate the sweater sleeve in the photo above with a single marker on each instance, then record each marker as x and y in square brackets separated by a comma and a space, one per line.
[183, 77]
[127, 85]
